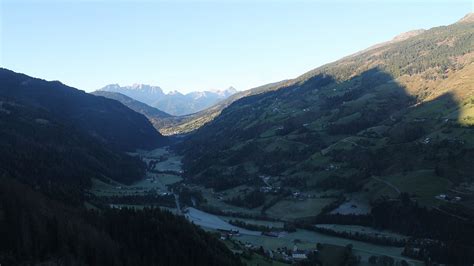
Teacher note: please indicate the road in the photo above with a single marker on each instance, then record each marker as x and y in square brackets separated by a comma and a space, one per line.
[387, 183]
[178, 207]
[211, 221]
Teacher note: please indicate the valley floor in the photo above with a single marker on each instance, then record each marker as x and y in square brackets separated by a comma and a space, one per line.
[164, 177]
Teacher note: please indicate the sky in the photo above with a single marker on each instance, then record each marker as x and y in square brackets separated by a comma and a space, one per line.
[199, 45]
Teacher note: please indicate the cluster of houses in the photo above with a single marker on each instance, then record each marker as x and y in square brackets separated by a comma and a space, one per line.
[428, 140]
[289, 255]
[268, 188]
[219, 195]
[137, 190]
[416, 248]
[284, 254]
[228, 234]
[332, 167]
[302, 196]
[446, 197]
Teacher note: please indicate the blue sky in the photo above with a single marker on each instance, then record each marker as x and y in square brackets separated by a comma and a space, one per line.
[195, 45]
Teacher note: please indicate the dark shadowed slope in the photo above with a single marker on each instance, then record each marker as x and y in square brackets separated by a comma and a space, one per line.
[133, 104]
[38, 149]
[158, 118]
[48, 159]
[105, 119]
[36, 230]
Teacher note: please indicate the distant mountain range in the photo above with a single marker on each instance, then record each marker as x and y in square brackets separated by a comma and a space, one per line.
[168, 124]
[174, 103]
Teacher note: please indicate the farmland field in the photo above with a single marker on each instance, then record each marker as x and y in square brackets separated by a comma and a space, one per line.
[356, 204]
[213, 200]
[213, 222]
[290, 209]
[172, 163]
[363, 230]
[304, 239]
[254, 221]
[152, 182]
[258, 260]
[415, 184]
[307, 240]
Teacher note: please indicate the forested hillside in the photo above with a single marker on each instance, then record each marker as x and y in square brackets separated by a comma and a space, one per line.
[36, 230]
[108, 121]
[404, 108]
[48, 161]
[189, 123]
[39, 150]
[158, 118]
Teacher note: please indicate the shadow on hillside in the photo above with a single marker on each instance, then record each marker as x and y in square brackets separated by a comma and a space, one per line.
[370, 105]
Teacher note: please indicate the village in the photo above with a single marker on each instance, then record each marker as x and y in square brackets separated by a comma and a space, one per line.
[266, 239]
[283, 254]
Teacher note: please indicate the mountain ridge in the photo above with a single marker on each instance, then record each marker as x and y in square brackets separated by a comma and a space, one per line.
[105, 119]
[173, 102]
[468, 18]
[326, 117]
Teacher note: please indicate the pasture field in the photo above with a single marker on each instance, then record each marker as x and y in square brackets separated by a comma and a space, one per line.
[357, 203]
[168, 161]
[290, 209]
[168, 179]
[152, 182]
[172, 163]
[216, 200]
[259, 260]
[140, 207]
[305, 239]
[363, 230]
[254, 221]
[352, 207]
[100, 188]
[415, 184]
[211, 221]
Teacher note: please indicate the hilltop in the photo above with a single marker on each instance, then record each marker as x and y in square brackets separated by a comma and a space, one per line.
[469, 18]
